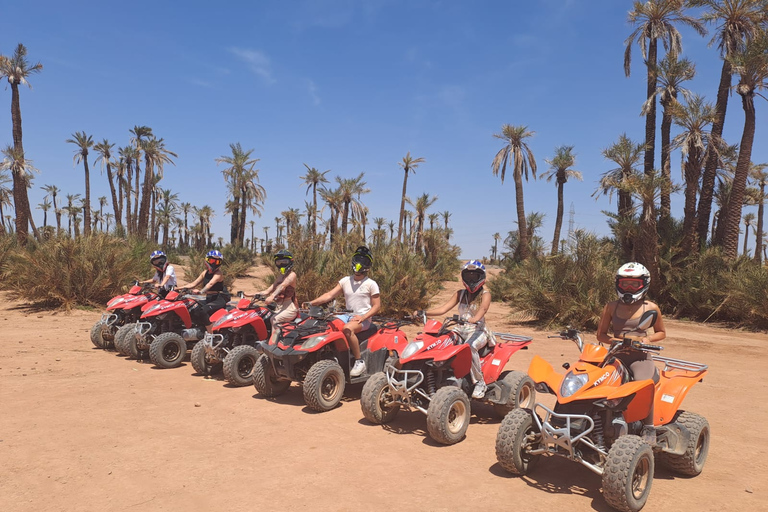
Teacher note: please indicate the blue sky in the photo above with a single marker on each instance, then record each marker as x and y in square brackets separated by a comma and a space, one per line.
[350, 86]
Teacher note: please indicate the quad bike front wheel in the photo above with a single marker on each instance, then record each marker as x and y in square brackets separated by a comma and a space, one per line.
[121, 338]
[448, 415]
[130, 345]
[513, 439]
[324, 385]
[690, 463]
[373, 400]
[239, 365]
[202, 362]
[168, 350]
[628, 474]
[96, 337]
[265, 379]
[522, 393]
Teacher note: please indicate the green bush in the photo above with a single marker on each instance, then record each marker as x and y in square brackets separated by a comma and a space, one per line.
[65, 272]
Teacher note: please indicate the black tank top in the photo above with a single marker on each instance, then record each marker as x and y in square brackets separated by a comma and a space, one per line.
[217, 287]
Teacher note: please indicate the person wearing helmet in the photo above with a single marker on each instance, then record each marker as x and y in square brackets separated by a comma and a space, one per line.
[473, 301]
[622, 317]
[212, 280]
[362, 297]
[165, 275]
[283, 291]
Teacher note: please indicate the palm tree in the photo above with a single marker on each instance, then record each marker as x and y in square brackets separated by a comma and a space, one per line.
[749, 219]
[560, 169]
[752, 67]
[53, 191]
[84, 143]
[671, 73]
[391, 226]
[167, 207]
[71, 209]
[421, 205]
[266, 237]
[408, 164]
[759, 174]
[626, 154]
[243, 182]
[350, 191]
[102, 203]
[253, 240]
[496, 238]
[446, 215]
[21, 170]
[739, 21]
[45, 206]
[433, 217]
[516, 152]
[130, 156]
[694, 140]
[5, 199]
[138, 135]
[108, 216]
[155, 157]
[312, 178]
[335, 201]
[655, 19]
[104, 149]
[16, 70]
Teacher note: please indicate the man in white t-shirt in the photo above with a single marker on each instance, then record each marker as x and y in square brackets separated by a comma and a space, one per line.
[361, 294]
[165, 275]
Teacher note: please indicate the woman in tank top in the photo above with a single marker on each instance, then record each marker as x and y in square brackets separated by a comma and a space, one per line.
[622, 317]
[283, 291]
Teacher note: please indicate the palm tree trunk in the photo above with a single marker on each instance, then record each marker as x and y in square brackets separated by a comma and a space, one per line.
[666, 174]
[735, 203]
[136, 192]
[314, 211]
[402, 206]
[128, 216]
[146, 195]
[87, 202]
[20, 198]
[759, 234]
[746, 237]
[559, 218]
[115, 202]
[650, 118]
[710, 169]
[692, 172]
[522, 251]
[243, 218]
[344, 218]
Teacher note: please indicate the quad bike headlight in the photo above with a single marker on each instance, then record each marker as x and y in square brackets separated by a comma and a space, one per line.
[572, 383]
[411, 349]
[313, 341]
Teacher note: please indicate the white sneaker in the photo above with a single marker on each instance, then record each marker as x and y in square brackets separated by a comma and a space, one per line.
[358, 368]
[479, 391]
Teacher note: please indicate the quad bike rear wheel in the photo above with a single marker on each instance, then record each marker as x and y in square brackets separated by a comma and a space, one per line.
[628, 474]
[96, 338]
[373, 400]
[448, 415]
[202, 362]
[239, 365]
[168, 350]
[522, 393]
[690, 463]
[324, 385]
[265, 379]
[513, 440]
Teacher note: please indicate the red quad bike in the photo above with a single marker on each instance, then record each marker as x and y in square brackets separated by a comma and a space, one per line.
[314, 352]
[597, 420]
[121, 310]
[433, 376]
[164, 330]
[232, 346]
[125, 343]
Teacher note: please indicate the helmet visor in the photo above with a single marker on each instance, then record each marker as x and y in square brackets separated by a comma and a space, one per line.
[213, 261]
[360, 262]
[630, 284]
[282, 262]
[159, 261]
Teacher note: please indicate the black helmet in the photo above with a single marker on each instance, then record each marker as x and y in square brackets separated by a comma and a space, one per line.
[283, 261]
[362, 260]
[159, 260]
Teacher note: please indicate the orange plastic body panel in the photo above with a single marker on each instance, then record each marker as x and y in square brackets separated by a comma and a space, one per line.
[670, 392]
[593, 353]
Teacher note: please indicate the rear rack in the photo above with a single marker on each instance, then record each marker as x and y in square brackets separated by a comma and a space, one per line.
[515, 338]
[679, 364]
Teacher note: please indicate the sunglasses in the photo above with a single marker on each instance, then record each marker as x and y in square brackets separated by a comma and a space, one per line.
[630, 284]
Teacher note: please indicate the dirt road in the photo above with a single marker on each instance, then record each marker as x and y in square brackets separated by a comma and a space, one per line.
[84, 429]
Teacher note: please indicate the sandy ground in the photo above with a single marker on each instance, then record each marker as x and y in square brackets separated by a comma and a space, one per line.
[85, 429]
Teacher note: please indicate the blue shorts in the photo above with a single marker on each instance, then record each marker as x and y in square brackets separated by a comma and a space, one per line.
[346, 318]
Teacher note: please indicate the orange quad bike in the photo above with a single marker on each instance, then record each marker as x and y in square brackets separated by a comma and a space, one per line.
[597, 420]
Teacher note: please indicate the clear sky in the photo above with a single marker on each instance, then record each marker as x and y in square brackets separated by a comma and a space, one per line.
[349, 86]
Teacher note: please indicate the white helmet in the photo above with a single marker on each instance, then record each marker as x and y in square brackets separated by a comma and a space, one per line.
[632, 282]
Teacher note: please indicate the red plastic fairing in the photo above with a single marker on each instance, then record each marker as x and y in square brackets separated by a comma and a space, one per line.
[493, 364]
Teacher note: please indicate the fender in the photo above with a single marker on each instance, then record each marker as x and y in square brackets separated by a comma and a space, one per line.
[493, 363]
[390, 339]
[593, 353]
[670, 392]
[150, 303]
[166, 306]
[218, 314]
[541, 371]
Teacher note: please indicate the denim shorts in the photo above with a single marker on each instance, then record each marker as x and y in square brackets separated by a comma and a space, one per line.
[346, 318]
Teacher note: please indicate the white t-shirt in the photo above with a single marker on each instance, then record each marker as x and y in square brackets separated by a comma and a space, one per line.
[357, 294]
[169, 271]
